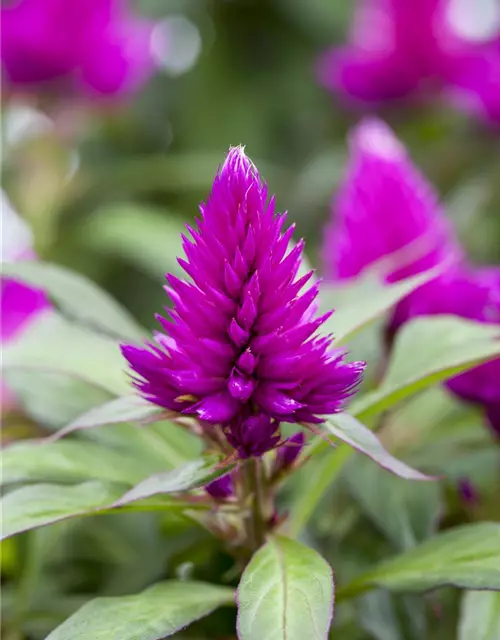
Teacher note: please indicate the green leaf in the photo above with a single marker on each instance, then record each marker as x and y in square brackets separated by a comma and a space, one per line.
[54, 345]
[429, 350]
[359, 303]
[480, 616]
[156, 613]
[42, 504]
[285, 593]
[314, 479]
[163, 445]
[191, 475]
[148, 238]
[38, 505]
[406, 512]
[53, 399]
[466, 557]
[69, 461]
[351, 431]
[77, 297]
[117, 411]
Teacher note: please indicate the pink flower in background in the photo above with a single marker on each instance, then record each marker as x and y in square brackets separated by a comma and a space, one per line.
[399, 49]
[94, 46]
[386, 209]
[20, 304]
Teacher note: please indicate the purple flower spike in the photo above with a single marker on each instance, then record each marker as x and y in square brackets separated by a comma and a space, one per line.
[222, 488]
[385, 205]
[288, 453]
[242, 350]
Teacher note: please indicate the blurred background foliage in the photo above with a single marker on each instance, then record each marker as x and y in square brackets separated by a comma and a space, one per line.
[107, 189]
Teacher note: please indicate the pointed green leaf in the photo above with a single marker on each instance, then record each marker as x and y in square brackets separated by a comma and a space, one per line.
[70, 461]
[466, 557]
[362, 301]
[77, 297]
[406, 512]
[53, 399]
[429, 350]
[285, 593]
[54, 345]
[351, 431]
[189, 476]
[117, 411]
[156, 613]
[480, 616]
[42, 504]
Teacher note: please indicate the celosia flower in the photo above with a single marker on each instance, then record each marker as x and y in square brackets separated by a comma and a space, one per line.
[240, 349]
[95, 46]
[399, 49]
[20, 304]
[385, 209]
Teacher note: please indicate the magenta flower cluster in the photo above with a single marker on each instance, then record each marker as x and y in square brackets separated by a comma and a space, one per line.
[399, 49]
[95, 47]
[240, 347]
[386, 209]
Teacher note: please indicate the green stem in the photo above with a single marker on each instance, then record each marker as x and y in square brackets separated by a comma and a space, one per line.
[253, 488]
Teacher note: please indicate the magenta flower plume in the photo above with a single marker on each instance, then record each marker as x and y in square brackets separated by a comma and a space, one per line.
[240, 348]
[385, 207]
[93, 46]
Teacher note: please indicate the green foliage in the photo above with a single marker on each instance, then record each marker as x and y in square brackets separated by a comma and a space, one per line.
[156, 613]
[77, 298]
[286, 592]
[467, 557]
[480, 615]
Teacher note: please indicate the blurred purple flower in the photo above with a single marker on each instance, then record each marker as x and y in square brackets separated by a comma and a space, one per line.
[241, 349]
[399, 49]
[222, 488]
[386, 209]
[20, 305]
[93, 46]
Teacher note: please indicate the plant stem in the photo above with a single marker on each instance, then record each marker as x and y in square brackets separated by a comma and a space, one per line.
[252, 485]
